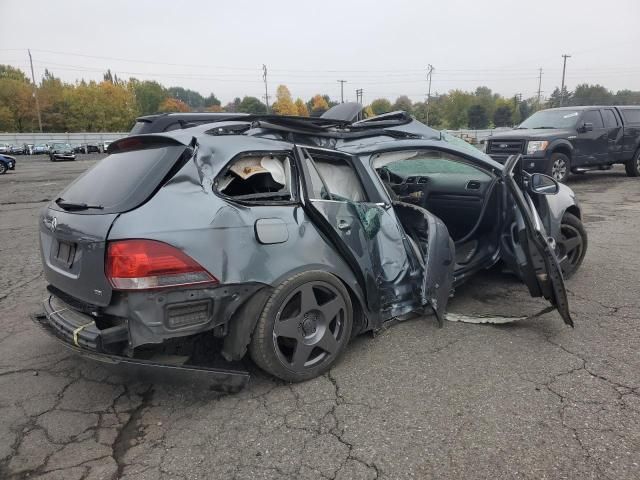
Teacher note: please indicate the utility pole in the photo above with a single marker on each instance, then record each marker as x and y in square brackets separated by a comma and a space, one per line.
[429, 75]
[342, 82]
[266, 90]
[35, 92]
[564, 67]
[539, 85]
[359, 92]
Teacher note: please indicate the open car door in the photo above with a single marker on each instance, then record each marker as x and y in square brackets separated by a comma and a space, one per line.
[536, 261]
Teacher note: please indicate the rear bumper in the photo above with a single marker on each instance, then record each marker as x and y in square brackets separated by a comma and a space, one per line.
[530, 163]
[79, 333]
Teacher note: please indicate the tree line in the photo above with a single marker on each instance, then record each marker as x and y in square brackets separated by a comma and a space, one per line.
[113, 104]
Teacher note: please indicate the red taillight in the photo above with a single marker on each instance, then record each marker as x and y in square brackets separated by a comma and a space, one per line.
[145, 264]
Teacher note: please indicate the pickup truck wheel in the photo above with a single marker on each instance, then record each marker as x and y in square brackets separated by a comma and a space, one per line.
[571, 244]
[560, 167]
[632, 167]
[304, 327]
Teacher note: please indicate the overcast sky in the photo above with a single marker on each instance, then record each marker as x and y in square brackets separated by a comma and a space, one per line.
[381, 47]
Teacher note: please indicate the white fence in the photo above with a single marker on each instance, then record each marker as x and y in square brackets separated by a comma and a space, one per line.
[71, 138]
[477, 136]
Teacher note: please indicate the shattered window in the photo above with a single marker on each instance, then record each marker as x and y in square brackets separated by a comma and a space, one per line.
[257, 177]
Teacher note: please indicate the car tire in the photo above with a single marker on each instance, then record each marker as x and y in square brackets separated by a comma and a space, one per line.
[632, 167]
[571, 244]
[3, 168]
[559, 167]
[304, 327]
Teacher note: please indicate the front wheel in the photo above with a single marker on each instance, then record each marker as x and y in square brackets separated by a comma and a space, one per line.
[304, 327]
[3, 168]
[571, 244]
[560, 167]
[632, 167]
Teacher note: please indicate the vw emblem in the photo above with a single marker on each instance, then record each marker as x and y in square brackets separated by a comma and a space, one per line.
[54, 224]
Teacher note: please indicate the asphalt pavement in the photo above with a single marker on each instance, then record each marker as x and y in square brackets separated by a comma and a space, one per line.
[532, 399]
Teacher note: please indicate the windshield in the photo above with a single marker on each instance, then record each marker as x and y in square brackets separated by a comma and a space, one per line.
[427, 162]
[61, 145]
[551, 119]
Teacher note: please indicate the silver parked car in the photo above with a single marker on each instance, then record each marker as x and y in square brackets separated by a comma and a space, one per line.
[284, 237]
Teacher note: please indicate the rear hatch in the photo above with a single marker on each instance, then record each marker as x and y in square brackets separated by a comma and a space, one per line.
[75, 227]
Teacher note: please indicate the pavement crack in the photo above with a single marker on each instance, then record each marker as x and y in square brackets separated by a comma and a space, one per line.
[130, 431]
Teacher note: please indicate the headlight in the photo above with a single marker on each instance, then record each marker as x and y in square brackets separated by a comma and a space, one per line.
[533, 147]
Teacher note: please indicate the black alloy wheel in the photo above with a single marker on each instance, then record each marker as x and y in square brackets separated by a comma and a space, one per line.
[304, 327]
[571, 244]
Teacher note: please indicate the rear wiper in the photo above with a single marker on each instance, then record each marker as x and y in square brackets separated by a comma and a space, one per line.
[71, 206]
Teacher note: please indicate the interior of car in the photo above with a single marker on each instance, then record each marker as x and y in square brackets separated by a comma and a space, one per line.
[462, 195]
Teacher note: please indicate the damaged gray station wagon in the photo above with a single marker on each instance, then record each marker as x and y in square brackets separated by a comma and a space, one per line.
[284, 237]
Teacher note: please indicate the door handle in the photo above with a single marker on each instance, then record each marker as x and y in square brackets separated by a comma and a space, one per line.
[344, 225]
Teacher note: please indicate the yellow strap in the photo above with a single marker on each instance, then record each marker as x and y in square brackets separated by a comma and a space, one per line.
[78, 330]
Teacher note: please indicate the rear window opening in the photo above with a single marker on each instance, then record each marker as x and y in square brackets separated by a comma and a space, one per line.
[125, 179]
[257, 178]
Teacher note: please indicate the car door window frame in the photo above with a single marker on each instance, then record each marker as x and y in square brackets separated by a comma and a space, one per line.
[294, 188]
[599, 115]
[369, 189]
[615, 118]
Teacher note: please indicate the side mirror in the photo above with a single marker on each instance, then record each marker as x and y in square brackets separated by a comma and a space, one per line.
[543, 184]
[586, 127]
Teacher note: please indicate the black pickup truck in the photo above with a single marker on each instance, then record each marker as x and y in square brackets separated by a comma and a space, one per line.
[559, 141]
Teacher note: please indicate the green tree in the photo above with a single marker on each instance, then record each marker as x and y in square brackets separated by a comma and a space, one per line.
[487, 99]
[211, 101]
[330, 102]
[11, 73]
[503, 116]
[626, 97]
[148, 95]
[403, 103]
[381, 105]
[234, 106]
[251, 105]
[190, 97]
[478, 117]
[456, 107]
[16, 100]
[585, 94]
[555, 97]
